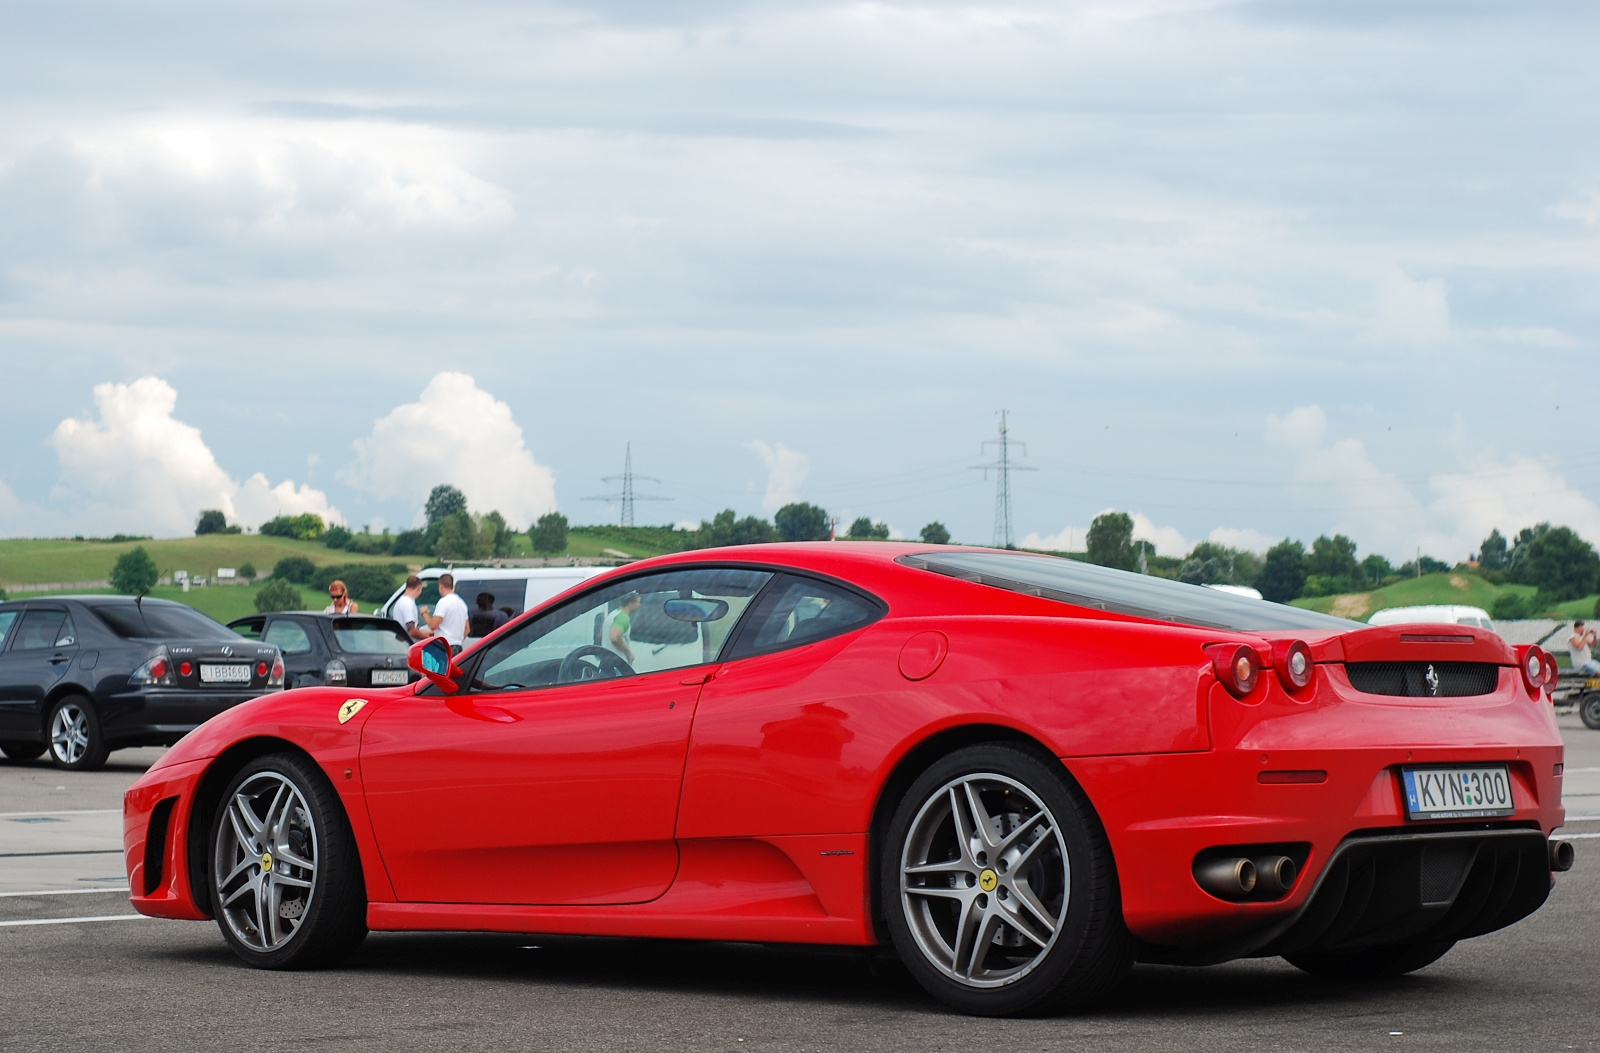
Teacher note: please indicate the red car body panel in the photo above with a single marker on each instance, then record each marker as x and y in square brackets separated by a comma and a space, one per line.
[738, 800]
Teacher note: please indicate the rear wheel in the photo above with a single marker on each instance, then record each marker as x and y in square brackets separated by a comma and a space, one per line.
[999, 888]
[22, 750]
[1373, 963]
[286, 882]
[76, 741]
[1589, 711]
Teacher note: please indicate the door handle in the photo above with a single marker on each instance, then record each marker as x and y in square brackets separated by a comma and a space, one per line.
[58, 659]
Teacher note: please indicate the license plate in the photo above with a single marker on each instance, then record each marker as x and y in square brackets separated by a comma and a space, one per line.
[384, 677]
[224, 674]
[1458, 793]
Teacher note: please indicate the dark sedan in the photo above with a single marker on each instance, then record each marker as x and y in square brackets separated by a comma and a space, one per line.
[81, 676]
[333, 650]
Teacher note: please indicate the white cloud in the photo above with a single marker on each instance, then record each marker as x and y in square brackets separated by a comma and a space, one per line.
[1169, 541]
[786, 470]
[258, 501]
[459, 434]
[138, 468]
[1243, 538]
[1410, 311]
[1384, 515]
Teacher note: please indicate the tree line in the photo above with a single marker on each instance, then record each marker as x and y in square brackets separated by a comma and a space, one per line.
[1554, 559]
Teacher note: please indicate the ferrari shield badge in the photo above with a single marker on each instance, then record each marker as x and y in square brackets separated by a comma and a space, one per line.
[351, 707]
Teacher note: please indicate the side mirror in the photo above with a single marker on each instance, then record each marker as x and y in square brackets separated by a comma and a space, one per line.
[695, 610]
[433, 660]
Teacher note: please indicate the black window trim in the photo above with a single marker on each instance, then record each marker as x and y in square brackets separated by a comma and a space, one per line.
[729, 646]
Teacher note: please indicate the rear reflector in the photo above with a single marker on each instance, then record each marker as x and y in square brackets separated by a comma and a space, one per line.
[1270, 778]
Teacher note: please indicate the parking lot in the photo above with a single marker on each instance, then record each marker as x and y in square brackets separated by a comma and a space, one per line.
[121, 982]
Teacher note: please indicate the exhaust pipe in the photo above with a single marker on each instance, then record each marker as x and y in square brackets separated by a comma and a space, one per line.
[1275, 875]
[1227, 878]
[1561, 856]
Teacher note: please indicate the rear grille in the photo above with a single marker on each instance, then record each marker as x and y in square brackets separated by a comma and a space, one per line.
[1413, 679]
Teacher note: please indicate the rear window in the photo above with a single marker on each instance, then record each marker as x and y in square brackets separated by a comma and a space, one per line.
[370, 637]
[1139, 595]
[157, 621]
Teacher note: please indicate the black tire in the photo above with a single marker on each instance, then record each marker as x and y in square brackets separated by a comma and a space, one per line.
[1081, 949]
[1589, 711]
[330, 920]
[73, 735]
[1372, 963]
[22, 750]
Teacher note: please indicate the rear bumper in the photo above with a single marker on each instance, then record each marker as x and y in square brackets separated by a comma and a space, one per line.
[157, 716]
[1162, 811]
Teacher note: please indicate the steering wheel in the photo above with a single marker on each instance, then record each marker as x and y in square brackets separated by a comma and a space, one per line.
[609, 664]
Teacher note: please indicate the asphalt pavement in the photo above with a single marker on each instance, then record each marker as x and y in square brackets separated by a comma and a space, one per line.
[132, 983]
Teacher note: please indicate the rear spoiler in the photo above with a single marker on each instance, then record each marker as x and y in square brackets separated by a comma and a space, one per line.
[1420, 642]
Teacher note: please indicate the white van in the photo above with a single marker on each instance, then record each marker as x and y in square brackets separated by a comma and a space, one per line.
[1439, 614]
[515, 588]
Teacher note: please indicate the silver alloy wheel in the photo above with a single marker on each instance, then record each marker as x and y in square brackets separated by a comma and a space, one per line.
[984, 880]
[69, 733]
[266, 861]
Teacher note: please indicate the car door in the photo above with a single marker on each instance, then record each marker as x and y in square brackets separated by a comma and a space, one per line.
[553, 776]
[301, 659]
[41, 647]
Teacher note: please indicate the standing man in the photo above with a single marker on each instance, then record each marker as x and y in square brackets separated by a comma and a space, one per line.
[1578, 647]
[449, 618]
[614, 637]
[405, 610]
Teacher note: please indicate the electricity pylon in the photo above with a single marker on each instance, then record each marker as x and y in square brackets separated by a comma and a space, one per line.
[1002, 467]
[627, 497]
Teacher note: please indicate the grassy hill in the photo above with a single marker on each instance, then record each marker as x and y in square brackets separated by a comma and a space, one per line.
[37, 562]
[1452, 587]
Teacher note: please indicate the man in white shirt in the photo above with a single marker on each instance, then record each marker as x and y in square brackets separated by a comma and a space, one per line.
[449, 617]
[405, 610]
[1578, 646]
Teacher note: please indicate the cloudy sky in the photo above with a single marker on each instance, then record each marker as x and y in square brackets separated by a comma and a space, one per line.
[1246, 270]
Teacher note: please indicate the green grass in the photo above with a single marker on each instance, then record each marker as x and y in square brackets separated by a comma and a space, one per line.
[222, 602]
[38, 562]
[1453, 587]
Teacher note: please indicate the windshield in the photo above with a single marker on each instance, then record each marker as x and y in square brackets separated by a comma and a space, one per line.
[1140, 595]
[155, 620]
[370, 637]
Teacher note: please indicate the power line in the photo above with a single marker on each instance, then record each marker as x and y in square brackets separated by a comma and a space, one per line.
[1002, 467]
[627, 497]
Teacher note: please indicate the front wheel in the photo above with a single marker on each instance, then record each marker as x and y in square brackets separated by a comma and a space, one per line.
[1589, 711]
[1373, 963]
[286, 881]
[77, 742]
[999, 888]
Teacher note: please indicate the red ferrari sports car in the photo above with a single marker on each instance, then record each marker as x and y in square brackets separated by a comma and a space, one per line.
[1025, 773]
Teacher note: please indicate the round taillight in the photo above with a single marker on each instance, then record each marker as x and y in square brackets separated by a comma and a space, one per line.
[261, 669]
[1552, 672]
[1533, 668]
[1237, 667]
[1294, 664]
[184, 669]
[158, 669]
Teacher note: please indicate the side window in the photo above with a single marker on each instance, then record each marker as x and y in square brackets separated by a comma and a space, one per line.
[290, 636]
[66, 636]
[796, 611]
[250, 628]
[648, 624]
[40, 629]
[6, 618]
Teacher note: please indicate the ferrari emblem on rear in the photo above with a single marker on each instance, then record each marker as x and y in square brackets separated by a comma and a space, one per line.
[350, 708]
[1432, 679]
[988, 880]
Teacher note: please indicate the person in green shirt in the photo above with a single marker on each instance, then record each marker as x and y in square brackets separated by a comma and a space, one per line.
[615, 637]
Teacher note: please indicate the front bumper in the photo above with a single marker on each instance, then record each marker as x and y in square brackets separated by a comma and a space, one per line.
[156, 814]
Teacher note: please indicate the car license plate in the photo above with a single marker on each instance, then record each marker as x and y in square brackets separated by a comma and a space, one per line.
[384, 677]
[1458, 793]
[224, 674]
